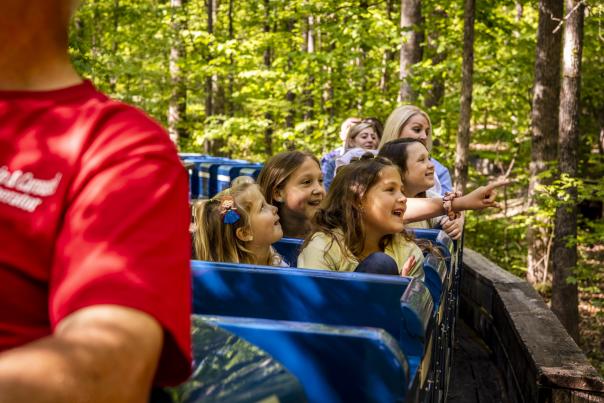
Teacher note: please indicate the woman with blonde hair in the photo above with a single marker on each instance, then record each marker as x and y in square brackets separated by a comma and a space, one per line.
[409, 121]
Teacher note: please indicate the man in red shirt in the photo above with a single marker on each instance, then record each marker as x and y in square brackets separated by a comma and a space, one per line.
[94, 255]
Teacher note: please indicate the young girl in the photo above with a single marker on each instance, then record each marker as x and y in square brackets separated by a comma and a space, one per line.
[293, 182]
[417, 169]
[363, 216]
[408, 121]
[238, 226]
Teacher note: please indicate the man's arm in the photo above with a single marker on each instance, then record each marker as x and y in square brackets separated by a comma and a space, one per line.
[102, 353]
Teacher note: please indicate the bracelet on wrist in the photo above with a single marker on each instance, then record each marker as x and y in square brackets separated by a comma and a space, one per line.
[448, 204]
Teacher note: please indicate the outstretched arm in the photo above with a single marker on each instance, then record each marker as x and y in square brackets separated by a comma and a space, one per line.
[102, 353]
[423, 208]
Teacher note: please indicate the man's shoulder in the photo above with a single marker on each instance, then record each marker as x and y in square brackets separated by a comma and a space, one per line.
[117, 125]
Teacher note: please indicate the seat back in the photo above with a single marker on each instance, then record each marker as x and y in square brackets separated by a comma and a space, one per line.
[289, 249]
[437, 278]
[208, 173]
[333, 363]
[194, 163]
[227, 368]
[227, 172]
[331, 298]
[440, 239]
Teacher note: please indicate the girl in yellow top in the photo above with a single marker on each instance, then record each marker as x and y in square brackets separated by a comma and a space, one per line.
[359, 225]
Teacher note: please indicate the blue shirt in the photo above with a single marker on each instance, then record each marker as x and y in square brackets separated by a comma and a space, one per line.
[328, 166]
[444, 178]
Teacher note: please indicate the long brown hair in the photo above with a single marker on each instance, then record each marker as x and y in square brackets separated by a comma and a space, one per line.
[342, 209]
[397, 152]
[277, 170]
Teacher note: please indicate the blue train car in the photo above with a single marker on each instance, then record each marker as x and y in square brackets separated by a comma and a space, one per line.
[338, 336]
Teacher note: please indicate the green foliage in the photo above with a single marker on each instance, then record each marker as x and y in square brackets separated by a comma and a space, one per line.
[264, 81]
[501, 239]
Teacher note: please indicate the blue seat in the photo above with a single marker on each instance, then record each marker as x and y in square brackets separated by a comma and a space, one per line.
[434, 268]
[247, 171]
[339, 299]
[449, 304]
[226, 173]
[208, 173]
[188, 156]
[333, 363]
[440, 240]
[194, 162]
[436, 278]
[289, 249]
[226, 368]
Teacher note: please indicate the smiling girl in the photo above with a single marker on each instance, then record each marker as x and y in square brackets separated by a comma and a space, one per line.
[362, 215]
[238, 226]
[417, 169]
[409, 121]
[293, 182]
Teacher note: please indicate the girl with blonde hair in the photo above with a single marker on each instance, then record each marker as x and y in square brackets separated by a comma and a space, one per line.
[238, 226]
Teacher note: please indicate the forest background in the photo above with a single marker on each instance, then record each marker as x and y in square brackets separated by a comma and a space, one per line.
[250, 79]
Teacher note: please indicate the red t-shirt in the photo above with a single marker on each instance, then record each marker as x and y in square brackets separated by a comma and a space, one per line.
[93, 210]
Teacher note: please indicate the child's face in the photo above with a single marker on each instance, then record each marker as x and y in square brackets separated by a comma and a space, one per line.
[416, 127]
[420, 170]
[303, 191]
[366, 139]
[384, 204]
[264, 221]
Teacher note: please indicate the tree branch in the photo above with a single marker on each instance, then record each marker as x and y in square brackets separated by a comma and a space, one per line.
[567, 16]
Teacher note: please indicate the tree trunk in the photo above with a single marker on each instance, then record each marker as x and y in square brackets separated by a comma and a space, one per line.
[268, 131]
[600, 119]
[290, 96]
[364, 48]
[230, 104]
[308, 92]
[95, 37]
[209, 94]
[388, 55]
[209, 145]
[544, 127]
[565, 299]
[114, 45]
[177, 107]
[463, 130]
[411, 52]
[436, 92]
